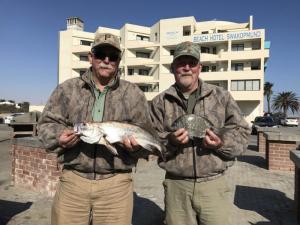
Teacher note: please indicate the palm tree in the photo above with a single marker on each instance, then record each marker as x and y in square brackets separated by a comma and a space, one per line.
[286, 101]
[268, 92]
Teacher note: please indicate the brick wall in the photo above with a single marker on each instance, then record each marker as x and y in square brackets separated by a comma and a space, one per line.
[297, 193]
[32, 167]
[278, 155]
[261, 142]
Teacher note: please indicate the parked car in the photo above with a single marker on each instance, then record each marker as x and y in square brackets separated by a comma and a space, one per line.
[262, 121]
[10, 118]
[290, 121]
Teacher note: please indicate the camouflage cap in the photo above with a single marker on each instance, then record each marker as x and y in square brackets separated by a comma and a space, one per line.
[106, 39]
[187, 48]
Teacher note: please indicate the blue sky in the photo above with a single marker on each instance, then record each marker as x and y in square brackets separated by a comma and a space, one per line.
[29, 35]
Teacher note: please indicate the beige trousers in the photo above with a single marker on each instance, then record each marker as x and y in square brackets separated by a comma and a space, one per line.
[190, 203]
[108, 201]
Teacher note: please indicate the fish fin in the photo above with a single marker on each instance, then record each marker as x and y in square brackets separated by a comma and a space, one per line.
[111, 148]
[155, 149]
[91, 140]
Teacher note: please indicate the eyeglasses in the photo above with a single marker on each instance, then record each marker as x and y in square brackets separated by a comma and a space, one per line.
[113, 57]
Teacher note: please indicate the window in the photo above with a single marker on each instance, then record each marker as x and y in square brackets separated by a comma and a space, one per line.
[255, 65]
[81, 72]
[237, 67]
[255, 85]
[204, 32]
[204, 49]
[245, 85]
[156, 39]
[142, 54]
[84, 42]
[186, 31]
[237, 47]
[213, 68]
[144, 88]
[172, 51]
[130, 71]
[83, 58]
[143, 72]
[149, 87]
[214, 50]
[205, 68]
[255, 45]
[142, 38]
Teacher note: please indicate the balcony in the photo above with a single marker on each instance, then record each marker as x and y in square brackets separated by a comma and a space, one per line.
[133, 61]
[206, 57]
[150, 95]
[166, 59]
[81, 49]
[246, 54]
[232, 75]
[247, 95]
[80, 64]
[140, 44]
[140, 78]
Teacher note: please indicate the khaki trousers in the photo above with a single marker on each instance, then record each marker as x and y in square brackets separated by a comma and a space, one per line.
[194, 203]
[109, 201]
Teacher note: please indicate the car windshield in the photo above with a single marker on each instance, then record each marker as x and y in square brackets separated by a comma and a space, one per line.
[264, 120]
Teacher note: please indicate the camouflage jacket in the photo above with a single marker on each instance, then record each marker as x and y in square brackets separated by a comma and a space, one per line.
[191, 160]
[72, 102]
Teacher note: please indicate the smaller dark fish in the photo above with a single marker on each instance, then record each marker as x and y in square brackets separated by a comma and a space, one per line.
[194, 124]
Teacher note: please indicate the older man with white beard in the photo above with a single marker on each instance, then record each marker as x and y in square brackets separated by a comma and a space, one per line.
[194, 184]
[94, 182]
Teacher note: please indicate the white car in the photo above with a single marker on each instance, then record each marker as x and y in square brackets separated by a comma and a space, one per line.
[290, 121]
[10, 118]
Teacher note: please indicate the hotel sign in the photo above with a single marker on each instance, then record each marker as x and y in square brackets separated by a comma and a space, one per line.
[227, 36]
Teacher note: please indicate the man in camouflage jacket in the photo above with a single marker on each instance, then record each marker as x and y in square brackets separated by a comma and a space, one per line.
[94, 183]
[194, 184]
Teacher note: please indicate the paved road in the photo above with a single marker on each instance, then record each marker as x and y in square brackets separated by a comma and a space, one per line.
[259, 196]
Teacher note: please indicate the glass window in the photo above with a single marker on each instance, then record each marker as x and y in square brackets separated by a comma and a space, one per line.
[234, 85]
[256, 85]
[186, 30]
[204, 50]
[142, 38]
[143, 72]
[130, 71]
[249, 85]
[237, 47]
[245, 85]
[81, 72]
[83, 58]
[205, 68]
[241, 85]
[84, 42]
[214, 50]
[255, 65]
[237, 67]
[213, 68]
[144, 88]
[142, 54]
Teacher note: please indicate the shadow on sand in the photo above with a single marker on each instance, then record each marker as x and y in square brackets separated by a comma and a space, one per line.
[271, 204]
[146, 212]
[9, 209]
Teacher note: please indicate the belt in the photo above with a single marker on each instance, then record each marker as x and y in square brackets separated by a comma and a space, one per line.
[191, 179]
[97, 176]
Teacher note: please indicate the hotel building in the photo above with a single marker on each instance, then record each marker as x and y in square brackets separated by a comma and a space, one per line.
[234, 55]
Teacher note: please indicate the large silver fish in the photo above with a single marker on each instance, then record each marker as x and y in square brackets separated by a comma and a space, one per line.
[194, 124]
[110, 132]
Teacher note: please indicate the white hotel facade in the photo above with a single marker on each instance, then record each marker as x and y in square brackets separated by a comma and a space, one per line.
[234, 55]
